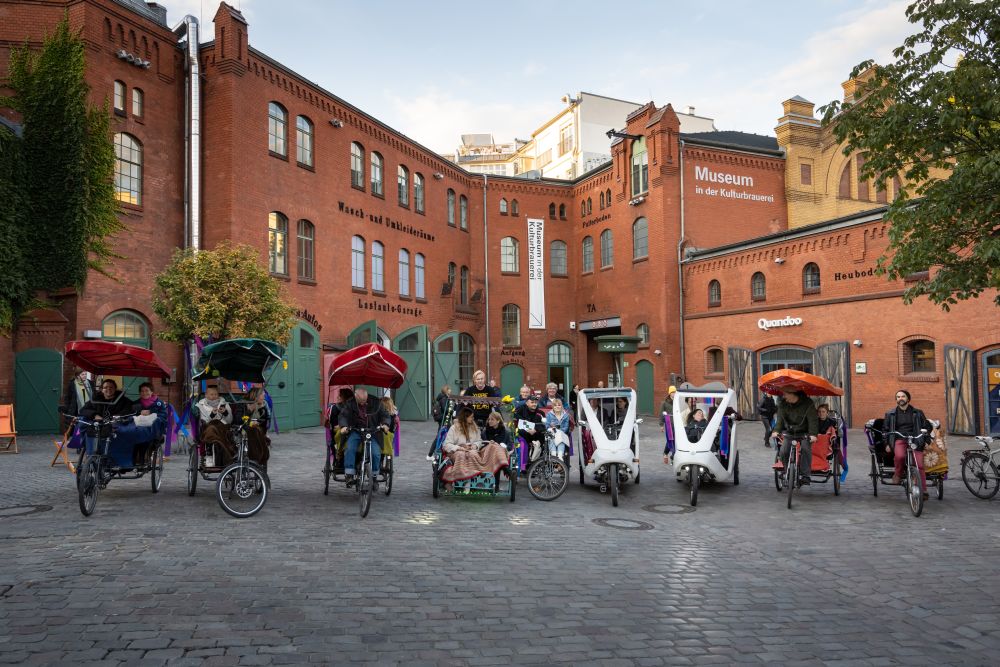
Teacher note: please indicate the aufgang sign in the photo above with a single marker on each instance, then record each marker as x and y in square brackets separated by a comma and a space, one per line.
[722, 178]
[766, 324]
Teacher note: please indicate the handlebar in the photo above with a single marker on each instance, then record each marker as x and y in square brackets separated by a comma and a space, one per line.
[114, 419]
[911, 440]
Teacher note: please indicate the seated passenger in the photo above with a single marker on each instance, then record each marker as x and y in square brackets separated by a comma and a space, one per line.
[388, 444]
[150, 423]
[333, 423]
[827, 424]
[496, 431]
[215, 416]
[103, 407]
[522, 396]
[530, 413]
[258, 444]
[697, 423]
[551, 393]
[462, 447]
[558, 418]
[362, 412]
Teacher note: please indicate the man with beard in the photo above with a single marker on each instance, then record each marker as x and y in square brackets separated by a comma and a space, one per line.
[907, 420]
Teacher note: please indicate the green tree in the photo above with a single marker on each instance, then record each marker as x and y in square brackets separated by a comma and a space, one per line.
[14, 292]
[68, 163]
[221, 293]
[935, 107]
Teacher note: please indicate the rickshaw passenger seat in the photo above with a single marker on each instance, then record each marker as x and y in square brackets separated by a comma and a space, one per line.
[821, 452]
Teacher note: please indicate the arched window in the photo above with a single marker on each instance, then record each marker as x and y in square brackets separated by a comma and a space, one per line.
[810, 278]
[515, 208]
[642, 331]
[125, 326]
[418, 192]
[403, 185]
[418, 276]
[640, 239]
[607, 249]
[558, 258]
[714, 293]
[511, 324]
[583, 207]
[463, 288]
[357, 166]
[919, 357]
[120, 91]
[277, 242]
[358, 262]
[897, 187]
[304, 141]
[307, 250]
[378, 267]
[588, 254]
[758, 287]
[503, 206]
[862, 184]
[277, 129]
[451, 207]
[607, 197]
[560, 354]
[463, 212]
[552, 211]
[404, 272]
[137, 102]
[509, 255]
[466, 359]
[562, 211]
[128, 169]
[714, 362]
[376, 180]
[844, 191]
[451, 273]
[640, 167]
[602, 200]
[590, 205]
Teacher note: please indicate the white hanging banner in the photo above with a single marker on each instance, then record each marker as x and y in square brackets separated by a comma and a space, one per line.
[536, 274]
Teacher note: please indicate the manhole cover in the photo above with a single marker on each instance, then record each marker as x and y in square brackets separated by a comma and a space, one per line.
[669, 509]
[623, 524]
[22, 510]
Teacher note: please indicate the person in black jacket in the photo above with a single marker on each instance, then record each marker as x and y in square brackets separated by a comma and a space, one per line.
[529, 412]
[479, 388]
[103, 407]
[78, 392]
[362, 411]
[767, 409]
[907, 420]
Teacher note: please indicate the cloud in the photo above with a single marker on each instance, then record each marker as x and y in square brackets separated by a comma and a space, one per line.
[204, 11]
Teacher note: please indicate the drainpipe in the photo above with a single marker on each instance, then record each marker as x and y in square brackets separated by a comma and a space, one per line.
[192, 140]
[680, 272]
[486, 282]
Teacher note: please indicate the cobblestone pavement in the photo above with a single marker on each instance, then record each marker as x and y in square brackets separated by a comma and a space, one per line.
[169, 579]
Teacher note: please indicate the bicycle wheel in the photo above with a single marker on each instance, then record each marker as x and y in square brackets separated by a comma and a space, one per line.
[387, 472]
[156, 468]
[875, 476]
[694, 480]
[241, 489]
[365, 484]
[547, 478]
[913, 490]
[513, 482]
[327, 472]
[980, 476]
[88, 485]
[613, 483]
[192, 469]
[792, 475]
[940, 488]
[836, 472]
[736, 470]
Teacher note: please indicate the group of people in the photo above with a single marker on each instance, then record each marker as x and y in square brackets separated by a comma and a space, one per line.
[352, 412]
[215, 417]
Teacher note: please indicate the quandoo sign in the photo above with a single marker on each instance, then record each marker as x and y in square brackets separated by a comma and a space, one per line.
[789, 321]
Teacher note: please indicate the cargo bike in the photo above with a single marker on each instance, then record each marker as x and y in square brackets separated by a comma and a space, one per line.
[829, 452]
[881, 449]
[711, 454]
[373, 365]
[112, 445]
[241, 484]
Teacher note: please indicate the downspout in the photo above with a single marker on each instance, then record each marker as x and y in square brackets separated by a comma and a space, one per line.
[192, 140]
[680, 271]
[486, 280]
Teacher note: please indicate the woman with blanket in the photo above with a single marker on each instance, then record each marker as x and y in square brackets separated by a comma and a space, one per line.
[468, 459]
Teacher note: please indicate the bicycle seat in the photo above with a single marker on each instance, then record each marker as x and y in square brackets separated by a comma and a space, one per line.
[985, 439]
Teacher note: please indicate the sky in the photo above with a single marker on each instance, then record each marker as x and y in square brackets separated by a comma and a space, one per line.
[437, 69]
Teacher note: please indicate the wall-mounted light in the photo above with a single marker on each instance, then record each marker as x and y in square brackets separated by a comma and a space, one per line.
[133, 59]
[637, 200]
[857, 342]
[336, 122]
[438, 175]
[657, 352]
[779, 260]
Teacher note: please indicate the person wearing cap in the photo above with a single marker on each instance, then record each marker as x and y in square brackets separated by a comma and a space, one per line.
[529, 412]
[362, 412]
[667, 408]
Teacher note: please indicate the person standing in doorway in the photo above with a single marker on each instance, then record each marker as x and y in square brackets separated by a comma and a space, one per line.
[767, 409]
[79, 390]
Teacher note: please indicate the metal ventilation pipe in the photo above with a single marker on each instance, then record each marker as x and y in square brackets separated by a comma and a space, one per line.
[192, 137]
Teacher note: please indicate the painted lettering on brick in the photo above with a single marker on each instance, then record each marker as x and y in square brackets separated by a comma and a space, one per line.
[850, 275]
[706, 174]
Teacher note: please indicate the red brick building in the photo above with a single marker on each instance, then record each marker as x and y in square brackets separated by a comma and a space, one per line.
[379, 238]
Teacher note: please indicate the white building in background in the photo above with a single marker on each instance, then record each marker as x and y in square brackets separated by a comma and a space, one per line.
[569, 144]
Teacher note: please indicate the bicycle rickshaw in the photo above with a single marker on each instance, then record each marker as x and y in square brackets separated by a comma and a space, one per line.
[241, 485]
[608, 450]
[715, 455]
[829, 452]
[367, 364]
[107, 456]
[486, 484]
[883, 463]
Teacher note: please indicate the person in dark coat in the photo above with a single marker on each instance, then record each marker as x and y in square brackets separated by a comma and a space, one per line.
[798, 420]
[79, 390]
[907, 420]
[529, 412]
[362, 411]
[767, 409]
[477, 389]
[104, 407]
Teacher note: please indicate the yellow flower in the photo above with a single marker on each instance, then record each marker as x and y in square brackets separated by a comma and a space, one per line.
[508, 399]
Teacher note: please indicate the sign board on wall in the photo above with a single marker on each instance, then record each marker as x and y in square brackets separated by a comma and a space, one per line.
[789, 321]
[861, 367]
[536, 273]
[741, 186]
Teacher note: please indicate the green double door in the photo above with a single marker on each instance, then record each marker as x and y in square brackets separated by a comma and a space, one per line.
[295, 391]
[412, 399]
[37, 390]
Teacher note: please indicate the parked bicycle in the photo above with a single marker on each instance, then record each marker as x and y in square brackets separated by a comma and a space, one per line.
[981, 469]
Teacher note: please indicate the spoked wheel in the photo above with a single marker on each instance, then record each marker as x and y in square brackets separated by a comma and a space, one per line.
[778, 481]
[940, 488]
[327, 473]
[875, 476]
[836, 472]
[581, 475]
[435, 481]
[192, 469]
[791, 477]
[242, 489]
[736, 470]
[365, 483]
[980, 476]
[513, 482]
[156, 468]
[548, 478]
[387, 470]
[88, 485]
[694, 480]
[913, 490]
[613, 483]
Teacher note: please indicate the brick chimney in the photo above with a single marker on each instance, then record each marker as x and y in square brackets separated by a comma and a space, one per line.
[231, 39]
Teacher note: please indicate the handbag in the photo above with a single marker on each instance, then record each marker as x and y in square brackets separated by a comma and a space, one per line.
[936, 454]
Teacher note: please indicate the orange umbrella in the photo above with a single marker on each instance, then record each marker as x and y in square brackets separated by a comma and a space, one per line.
[787, 379]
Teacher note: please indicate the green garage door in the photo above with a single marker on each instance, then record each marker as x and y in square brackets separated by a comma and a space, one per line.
[645, 388]
[446, 362]
[295, 391]
[37, 384]
[413, 398]
[511, 380]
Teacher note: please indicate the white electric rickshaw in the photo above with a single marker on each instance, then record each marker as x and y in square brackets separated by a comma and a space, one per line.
[714, 456]
[609, 438]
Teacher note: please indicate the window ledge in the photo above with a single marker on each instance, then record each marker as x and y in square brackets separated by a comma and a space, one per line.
[714, 304]
[137, 208]
[919, 377]
[358, 187]
[418, 211]
[307, 167]
[502, 213]
[406, 206]
[917, 277]
[608, 267]
[359, 290]
[404, 297]
[378, 293]
[281, 276]
[637, 260]
[810, 290]
[379, 195]
[277, 155]
[120, 113]
[307, 281]
[421, 299]
[510, 273]
[139, 119]
[588, 273]
[758, 299]
[559, 275]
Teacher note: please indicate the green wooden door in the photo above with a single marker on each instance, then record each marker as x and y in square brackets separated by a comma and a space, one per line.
[304, 363]
[37, 385]
[413, 398]
[280, 388]
[446, 356]
[511, 380]
[645, 387]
